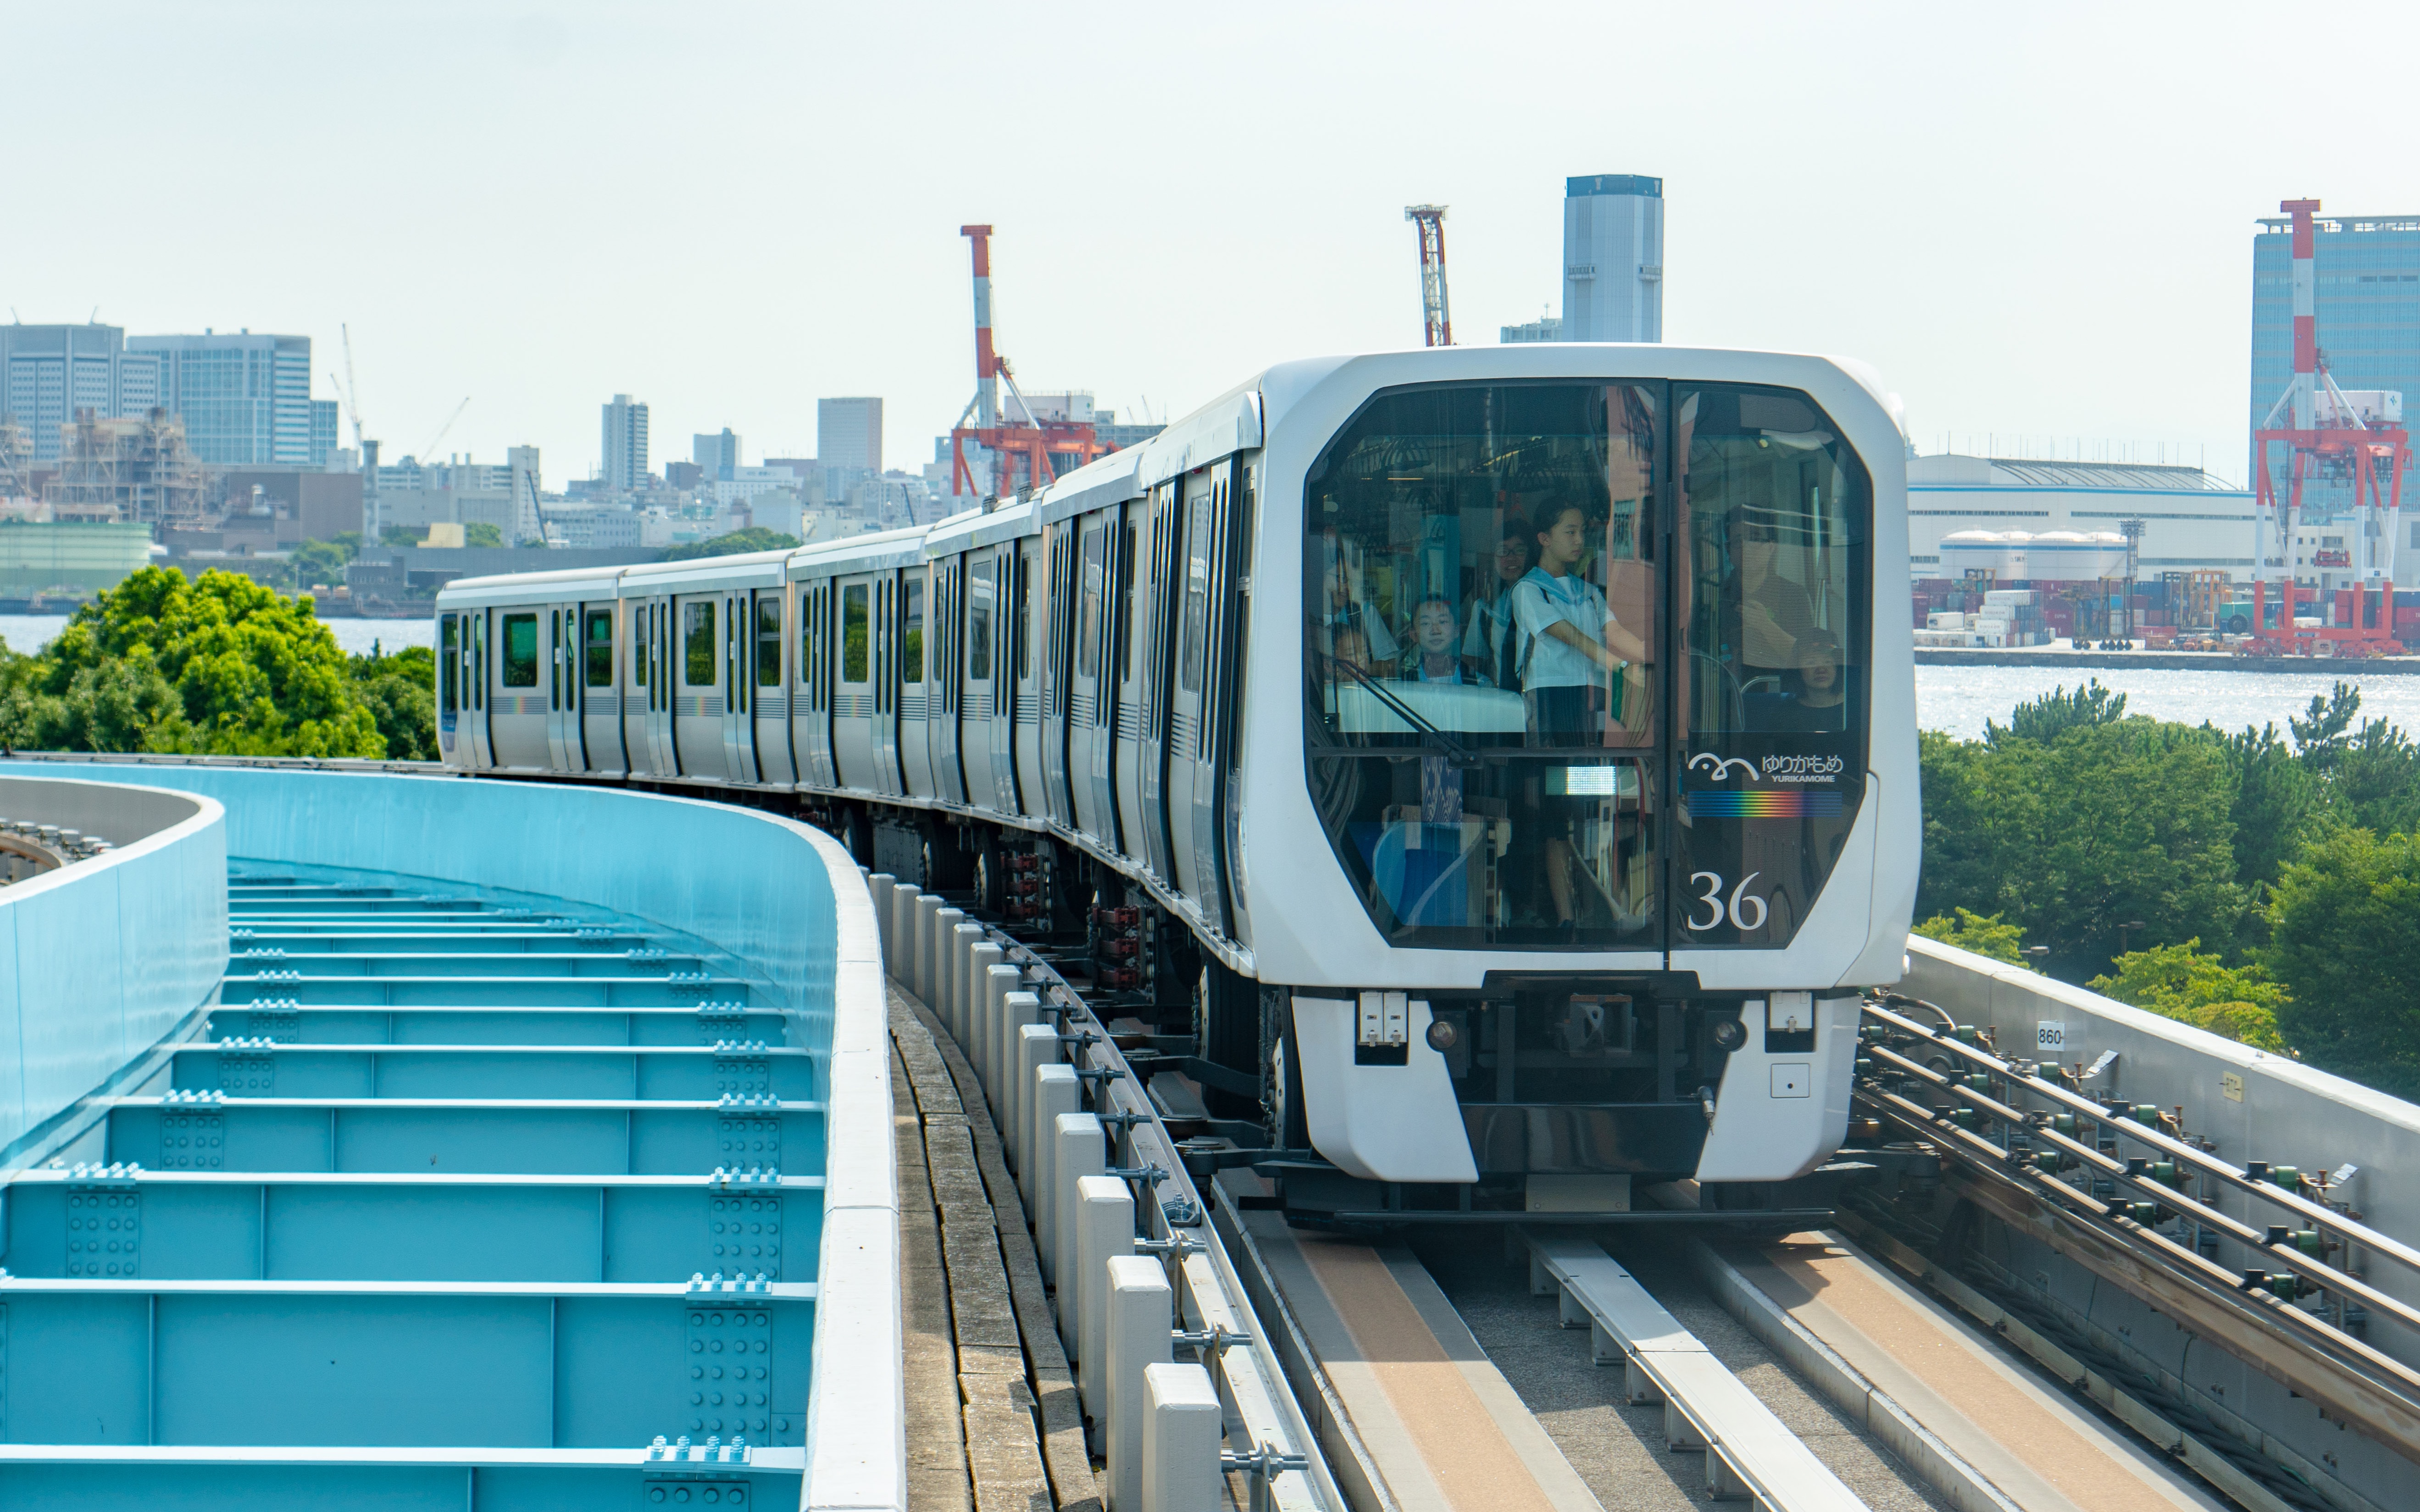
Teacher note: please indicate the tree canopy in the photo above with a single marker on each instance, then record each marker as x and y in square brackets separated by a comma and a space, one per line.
[754, 538]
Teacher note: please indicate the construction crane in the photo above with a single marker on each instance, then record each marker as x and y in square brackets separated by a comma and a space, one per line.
[2336, 438]
[1429, 219]
[367, 450]
[1035, 441]
[428, 453]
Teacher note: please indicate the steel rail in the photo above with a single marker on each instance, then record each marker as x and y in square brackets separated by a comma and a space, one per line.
[2258, 1240]
[2175, 1149]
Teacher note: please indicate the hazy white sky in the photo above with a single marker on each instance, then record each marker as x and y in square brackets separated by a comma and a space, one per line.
[2035, 220]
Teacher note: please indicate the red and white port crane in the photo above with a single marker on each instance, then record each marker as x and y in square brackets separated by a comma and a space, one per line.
[2331, 438]
[1025, 455]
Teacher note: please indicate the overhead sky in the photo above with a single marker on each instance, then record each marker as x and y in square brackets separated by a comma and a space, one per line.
[2035, 221]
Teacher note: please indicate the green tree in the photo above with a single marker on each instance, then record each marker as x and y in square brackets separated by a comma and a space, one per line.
[2276, 802]
[323, 562]
[2042, 720]
[396, 537]
[256, 674]
[2344, 942]
[400, 692]
[2179, 982]
[1982, 934]
[754, 538]
[479, 532]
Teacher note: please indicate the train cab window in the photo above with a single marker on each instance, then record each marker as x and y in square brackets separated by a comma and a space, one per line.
[700, 655]
[600, 642]
[1495, 725]
[449, 667]
[520, 651]
[855, 619]
[911, 634]
[769, 641]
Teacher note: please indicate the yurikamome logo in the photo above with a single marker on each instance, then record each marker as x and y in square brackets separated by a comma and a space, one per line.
[1804, 768]
[1721, 765]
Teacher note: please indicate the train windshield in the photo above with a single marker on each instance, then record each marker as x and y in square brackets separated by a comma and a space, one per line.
[1571, 649]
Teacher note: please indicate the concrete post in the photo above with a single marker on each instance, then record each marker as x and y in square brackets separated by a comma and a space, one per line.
[946, 928]
[877, 888]
[1184, 1428]
[977, 956]
[920, 956]
[1079, 1154]
[1037, 1045]
[1056, 1091]
[1104, 1228]
[1018, 1012]
[1140, 1308]
[902, 939]
[993, 982]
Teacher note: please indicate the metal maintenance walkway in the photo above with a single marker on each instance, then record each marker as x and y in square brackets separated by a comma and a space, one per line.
[454, 1204]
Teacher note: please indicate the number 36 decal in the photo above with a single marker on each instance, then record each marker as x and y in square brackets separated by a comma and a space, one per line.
[1745, 911]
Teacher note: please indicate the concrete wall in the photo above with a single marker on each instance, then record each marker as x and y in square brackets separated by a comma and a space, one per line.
[101, 960]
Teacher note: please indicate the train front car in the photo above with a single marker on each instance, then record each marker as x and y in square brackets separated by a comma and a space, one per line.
[1605, 805]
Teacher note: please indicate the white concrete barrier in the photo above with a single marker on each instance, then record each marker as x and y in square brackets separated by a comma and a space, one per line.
[1105, 1229]
[901, 941]
[920, 965]
[1056, 1091]
[877, 886]
[1022, 1009]
[946, 921]
[1079, 1153]
[990, 991]
[977, 957]
[1141, 1311]
[1184, 1429]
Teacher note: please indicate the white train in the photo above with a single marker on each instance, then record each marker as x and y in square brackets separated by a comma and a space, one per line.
[1495, 766]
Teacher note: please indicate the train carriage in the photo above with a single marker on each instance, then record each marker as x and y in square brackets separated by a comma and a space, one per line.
[1496, 765]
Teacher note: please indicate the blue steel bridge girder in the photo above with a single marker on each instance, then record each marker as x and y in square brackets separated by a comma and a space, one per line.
[444, 1201]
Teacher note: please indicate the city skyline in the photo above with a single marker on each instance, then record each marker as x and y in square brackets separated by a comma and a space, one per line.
[1915, 201]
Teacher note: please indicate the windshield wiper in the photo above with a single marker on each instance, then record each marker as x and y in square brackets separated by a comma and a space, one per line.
[1459, 754]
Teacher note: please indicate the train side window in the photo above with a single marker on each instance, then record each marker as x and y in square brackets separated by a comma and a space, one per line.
[601, 647]
[697, 644]
[855, 660]
[449, 667]
[769, 641]
[911, 635]
[1197, 593]
[639, 639]
[1024, 616]
[979, 627]
[520, 651]
[1088, 626]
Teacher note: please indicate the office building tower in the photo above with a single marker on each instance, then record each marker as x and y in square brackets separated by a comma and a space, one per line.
[848, 433]
[717, 456]
[323, 432]
[48, 373]
[2365, 273]
[245, 399]
[1613, 258]
[521, 465]
[626, 443]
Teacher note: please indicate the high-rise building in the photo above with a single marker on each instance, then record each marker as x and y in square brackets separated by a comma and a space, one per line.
[717, 454]
[626, 443]
[2367, 287]
[848, 433]
[1613, 258]
[323, 431]
[245, 399]
[522, 464]
[48, 373]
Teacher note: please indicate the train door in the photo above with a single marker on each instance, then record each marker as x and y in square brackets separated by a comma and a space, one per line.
[1084, 682]
[483, 744]
[739, 688]
[776, 757]
[1058, 616]
[916, 701]
[600, 702]
[1196, 592]
[1156, 621]
[852, 721]
[1029, 623]
[1131, 637]
[949, 602]
[449, 684]
[561, 742]
[663, 734]
[698, 656]
[979, 712]
[811, 686]
[1233, 647]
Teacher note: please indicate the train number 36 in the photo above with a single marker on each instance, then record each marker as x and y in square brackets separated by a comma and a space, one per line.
[1745, 911]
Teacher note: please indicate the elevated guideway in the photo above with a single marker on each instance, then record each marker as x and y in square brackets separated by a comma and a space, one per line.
[472, 1184]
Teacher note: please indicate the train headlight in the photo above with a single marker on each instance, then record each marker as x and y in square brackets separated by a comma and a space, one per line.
[1443, 1035]
[1729, 1033]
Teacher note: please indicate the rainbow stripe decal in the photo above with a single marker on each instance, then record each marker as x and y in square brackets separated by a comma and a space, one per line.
[1773, 802]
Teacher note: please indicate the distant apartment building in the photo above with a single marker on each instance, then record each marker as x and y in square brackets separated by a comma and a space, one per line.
[588, 527]
[245, 399]
[1613, 258]
[683, 475]
[1545, 328]
[848, 433]
[626, 443]
[717, 456]
[522, 478]
[48, 373]
[323, 432]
